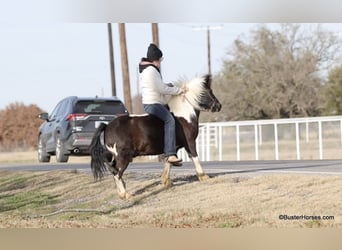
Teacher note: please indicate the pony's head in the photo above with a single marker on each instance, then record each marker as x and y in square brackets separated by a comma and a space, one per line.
[199, 96]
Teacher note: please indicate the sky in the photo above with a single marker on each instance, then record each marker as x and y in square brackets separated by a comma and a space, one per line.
[41, 63]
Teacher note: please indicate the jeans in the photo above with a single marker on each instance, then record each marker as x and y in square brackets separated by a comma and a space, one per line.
[164, 114]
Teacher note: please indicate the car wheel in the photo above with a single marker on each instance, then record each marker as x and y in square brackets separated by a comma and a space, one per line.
[43, 156]
[61, 155]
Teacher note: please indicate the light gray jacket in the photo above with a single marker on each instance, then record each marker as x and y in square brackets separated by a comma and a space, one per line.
[154, 90]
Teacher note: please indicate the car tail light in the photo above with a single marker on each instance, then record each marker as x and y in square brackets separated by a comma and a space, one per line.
[73, 117]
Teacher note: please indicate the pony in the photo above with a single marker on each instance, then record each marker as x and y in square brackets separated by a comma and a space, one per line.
[137, 135]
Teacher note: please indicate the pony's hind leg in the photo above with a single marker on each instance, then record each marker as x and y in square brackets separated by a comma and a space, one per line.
[165, 177]
[120, 184]
[111, 166]
[110, 162]
[199, 170]
[120, 187]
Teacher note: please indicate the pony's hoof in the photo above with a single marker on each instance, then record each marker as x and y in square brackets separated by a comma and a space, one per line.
[125, 196]
[203, 177]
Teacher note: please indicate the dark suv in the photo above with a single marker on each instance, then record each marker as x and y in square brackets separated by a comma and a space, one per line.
[69, 129]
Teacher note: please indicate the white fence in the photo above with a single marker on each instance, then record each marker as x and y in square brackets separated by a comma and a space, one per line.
[281, 139]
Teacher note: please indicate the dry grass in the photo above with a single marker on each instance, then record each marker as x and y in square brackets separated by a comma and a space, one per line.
[224, 201]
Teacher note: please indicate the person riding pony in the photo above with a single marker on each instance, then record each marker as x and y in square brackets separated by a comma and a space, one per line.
[154, 99]
[114, 145]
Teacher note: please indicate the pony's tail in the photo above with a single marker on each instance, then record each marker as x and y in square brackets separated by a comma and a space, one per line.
[97, 153]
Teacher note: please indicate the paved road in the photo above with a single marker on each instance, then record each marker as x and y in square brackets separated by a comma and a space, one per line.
[331, 167]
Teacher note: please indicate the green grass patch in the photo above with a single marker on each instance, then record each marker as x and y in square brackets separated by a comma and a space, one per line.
[230, 224]
[25, 200]
[8, 184]
[314, 224]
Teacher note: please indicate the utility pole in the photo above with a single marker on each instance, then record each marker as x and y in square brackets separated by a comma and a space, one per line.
[208, 29]
[208, 48]
[124, 66]
[155, 34]
[111, 58]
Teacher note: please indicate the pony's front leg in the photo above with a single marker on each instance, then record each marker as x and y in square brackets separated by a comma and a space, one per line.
[165, 177]
[199, 170]
[120, 187]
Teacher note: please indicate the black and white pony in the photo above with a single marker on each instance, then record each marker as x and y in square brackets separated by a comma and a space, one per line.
[129, 136]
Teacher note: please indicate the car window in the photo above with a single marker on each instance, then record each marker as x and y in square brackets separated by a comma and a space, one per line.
[63, 108]
[100, 107]
[55, 111]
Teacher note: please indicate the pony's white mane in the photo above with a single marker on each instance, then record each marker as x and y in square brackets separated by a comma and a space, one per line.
[184, 105]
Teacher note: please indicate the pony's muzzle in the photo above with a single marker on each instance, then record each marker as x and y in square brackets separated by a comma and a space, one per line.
[216, 107]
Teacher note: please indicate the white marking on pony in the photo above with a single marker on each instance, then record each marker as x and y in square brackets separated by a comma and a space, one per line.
[184, 105]
[120, 188]
[198, 167]
[113, 149]
[165, 177]
[180, 107]
[199, 170]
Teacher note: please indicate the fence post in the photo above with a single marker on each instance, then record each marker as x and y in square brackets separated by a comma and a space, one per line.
[237, 143]
[320, 140]
[220, 143]
[307, 130]
[341, 131]
[256, 142]
[297, 140]
[276, 149]
[260, 134]
[203, 142]
[208, 142]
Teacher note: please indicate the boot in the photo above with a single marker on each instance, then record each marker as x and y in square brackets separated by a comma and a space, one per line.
[174, 160]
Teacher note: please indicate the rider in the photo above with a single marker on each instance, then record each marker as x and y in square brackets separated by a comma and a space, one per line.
[154, 100]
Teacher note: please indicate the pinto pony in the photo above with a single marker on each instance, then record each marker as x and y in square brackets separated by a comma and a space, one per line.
[129, 136]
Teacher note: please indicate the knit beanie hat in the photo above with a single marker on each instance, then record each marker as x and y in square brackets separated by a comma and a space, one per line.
[154, 53]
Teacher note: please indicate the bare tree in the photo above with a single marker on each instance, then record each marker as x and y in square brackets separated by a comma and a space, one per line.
[333, 92]
[19, 124]
[276, 73]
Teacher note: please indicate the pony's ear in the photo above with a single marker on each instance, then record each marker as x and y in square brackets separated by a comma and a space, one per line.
[207, 80]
